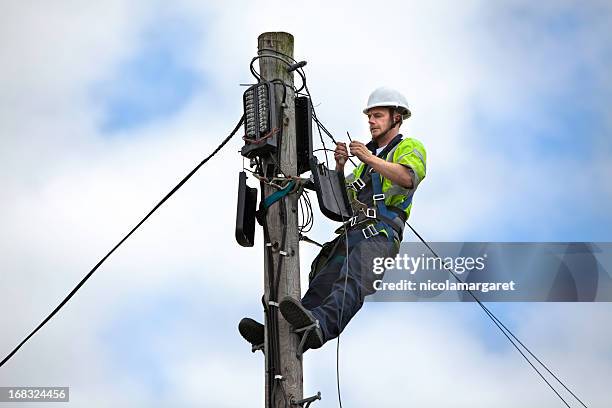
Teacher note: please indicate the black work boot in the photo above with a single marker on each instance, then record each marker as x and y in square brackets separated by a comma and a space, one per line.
[253, 332]
[300, 318]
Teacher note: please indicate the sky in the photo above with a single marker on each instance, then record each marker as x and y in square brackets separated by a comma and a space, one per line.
[106, 106]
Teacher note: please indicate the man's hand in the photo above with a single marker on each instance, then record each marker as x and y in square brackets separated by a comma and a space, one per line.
[361, 151]
[340, 154]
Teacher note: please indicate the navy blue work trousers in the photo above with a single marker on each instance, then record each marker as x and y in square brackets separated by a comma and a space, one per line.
[326, 292]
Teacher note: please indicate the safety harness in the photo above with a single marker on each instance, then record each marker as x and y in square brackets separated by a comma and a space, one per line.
[369, 184]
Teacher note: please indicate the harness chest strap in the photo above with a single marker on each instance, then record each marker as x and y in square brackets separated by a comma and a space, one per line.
[394, 216]
[388, 214]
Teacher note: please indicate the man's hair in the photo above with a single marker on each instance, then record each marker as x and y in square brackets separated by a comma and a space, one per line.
[392, 112]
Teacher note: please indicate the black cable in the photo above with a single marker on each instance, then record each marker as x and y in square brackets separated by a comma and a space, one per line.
[347, 268]
[275, 334]
[281, 134]
[330, 150]
[303, 216]
[505, 331]
[267, 310]
[325, 149]
[159, 204]
[277, 164]
[274, 358]
[279, 53]
[305, 213]
[534, 356]
[319, 128]
[309, 223]
[285, 86]
[299, 68]
[258, 76]
[327, 132]
[270, 312]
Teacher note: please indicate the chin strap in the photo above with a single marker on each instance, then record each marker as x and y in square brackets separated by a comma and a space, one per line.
[394, 124]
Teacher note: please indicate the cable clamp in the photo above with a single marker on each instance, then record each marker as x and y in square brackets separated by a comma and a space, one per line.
[377, 197]
[272, 303]
[278, 377]
[268, 244]
[283, 253]
[369, 231]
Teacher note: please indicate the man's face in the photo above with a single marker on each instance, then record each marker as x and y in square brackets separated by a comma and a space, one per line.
[379, 120]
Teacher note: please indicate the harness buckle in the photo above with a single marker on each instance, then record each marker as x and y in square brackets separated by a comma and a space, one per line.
[353, 221]
[358, 184]
[369, 231]
[370, 212]
[377, 197]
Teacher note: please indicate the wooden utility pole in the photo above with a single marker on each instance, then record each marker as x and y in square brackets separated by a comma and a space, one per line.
[291, 367]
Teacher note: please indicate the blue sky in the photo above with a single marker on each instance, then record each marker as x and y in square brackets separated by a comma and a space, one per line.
[107, 107]
[153, 83]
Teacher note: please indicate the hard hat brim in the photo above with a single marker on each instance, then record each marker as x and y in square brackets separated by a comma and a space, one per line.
[404, 111]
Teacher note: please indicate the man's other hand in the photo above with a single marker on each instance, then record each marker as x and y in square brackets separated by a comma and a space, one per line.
[340, 155]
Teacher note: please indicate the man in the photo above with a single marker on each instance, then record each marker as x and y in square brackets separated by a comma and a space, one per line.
[381, 190]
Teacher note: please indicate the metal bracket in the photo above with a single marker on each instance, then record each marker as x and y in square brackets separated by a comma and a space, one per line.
[358, 184]
[307, 401]
[369, 231]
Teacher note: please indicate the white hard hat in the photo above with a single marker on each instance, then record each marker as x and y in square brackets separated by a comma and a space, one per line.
[384, 96]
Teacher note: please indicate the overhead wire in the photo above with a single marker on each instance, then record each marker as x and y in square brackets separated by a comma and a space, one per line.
[505, 331]
[101, 261]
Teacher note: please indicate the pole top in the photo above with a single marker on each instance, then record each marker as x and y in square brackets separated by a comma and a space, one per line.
[279, 35]
[276, 40]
